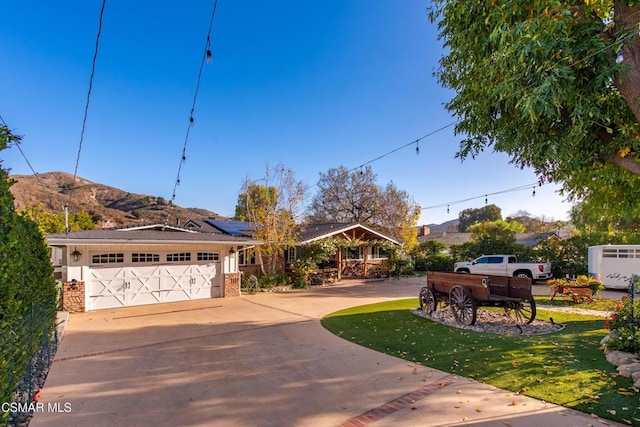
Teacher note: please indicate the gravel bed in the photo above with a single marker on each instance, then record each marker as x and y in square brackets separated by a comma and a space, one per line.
[492, 322]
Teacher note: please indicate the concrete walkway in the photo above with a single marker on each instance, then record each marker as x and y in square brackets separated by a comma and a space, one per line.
[262, 360]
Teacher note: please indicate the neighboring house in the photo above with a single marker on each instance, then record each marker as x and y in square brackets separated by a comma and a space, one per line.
[146, 265]
[530, 240]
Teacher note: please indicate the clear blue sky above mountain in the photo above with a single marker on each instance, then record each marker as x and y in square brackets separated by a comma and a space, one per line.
[311, 85]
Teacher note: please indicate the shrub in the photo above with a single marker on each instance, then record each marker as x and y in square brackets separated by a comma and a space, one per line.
[276, 279]
[624, 323]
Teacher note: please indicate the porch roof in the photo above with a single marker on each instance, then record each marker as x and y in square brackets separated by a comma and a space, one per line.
[351, 231]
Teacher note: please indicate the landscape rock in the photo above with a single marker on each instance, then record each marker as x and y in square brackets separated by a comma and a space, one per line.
[618, 358]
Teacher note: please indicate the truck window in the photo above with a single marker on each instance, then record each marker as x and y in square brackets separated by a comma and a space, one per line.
[512, 260]
[483, 260]
[495, 260]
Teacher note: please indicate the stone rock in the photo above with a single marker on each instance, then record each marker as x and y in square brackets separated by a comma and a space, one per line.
[620, 357]
[636, 376]
[627, 370]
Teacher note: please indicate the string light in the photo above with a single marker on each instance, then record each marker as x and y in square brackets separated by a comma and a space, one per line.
[534, 192]
[206, 57]
[417, 147]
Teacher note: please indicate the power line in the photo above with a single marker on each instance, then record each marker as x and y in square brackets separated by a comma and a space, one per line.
[86, 107]
[206, 57]
[24, 156]
[486, 195]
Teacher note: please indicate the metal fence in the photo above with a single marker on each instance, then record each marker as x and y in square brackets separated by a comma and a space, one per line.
[27, 348]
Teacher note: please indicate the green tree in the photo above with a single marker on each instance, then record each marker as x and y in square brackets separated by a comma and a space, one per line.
[27, 287]
[272, 209]
[50, 223]
[555, 85]
[82, 221]
[471, 216]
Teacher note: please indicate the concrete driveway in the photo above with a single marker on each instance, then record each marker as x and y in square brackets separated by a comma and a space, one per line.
[262, 360]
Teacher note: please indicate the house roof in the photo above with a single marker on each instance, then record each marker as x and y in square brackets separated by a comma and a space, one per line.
[313, 232]
[144, 236]
[532, 240]
[446, 238]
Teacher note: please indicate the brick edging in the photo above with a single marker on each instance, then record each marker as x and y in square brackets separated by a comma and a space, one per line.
[398, 403]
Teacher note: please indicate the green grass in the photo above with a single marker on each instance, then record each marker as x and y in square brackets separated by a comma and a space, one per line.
[566, 367]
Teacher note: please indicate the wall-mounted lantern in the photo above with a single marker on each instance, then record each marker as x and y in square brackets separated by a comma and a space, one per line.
[75, 255]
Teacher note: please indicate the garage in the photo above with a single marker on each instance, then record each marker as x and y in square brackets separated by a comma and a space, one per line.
[107, 269]
[113, 287]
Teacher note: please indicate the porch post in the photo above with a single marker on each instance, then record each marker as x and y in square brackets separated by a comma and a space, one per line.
[339, 255]
[364, 262]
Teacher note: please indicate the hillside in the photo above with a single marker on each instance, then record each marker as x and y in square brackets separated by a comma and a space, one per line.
[109, 206]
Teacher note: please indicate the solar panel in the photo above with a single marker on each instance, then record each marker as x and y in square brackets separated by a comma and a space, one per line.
[233, 228]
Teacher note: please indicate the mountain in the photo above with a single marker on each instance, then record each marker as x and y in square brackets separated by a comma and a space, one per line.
[109, 206]
[449, 226]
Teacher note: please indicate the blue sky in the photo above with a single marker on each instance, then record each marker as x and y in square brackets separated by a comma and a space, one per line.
[311, 85]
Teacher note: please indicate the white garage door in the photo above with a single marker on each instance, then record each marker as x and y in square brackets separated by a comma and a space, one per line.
[113, 287]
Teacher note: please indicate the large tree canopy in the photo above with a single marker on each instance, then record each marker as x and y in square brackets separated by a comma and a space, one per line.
[555, 84]
[355, 196]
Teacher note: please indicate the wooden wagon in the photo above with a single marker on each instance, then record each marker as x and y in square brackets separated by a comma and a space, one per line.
[464, 293]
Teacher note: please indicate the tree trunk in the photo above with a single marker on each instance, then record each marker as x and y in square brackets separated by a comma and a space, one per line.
[626, 20]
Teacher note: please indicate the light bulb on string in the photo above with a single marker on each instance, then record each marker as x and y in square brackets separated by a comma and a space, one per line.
[534, 192]
[486, 199]
[191, 121]
[417, 147]
[447, 208]
[619, 57]
[208, 57]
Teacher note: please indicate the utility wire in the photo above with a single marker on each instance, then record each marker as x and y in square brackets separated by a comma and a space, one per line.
[86, 107]
[206, 56]
[25, 156]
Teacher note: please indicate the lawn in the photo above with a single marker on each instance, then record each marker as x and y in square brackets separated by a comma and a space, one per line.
[566, 367]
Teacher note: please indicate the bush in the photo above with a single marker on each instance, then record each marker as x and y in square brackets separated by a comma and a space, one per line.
[276, 279]
[624, 323]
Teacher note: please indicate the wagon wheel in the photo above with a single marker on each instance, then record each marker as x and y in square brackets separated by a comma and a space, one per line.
[427, 301]
[463, 305]
[523, 312]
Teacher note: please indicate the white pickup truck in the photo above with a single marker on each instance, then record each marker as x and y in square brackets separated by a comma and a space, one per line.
[505, 265]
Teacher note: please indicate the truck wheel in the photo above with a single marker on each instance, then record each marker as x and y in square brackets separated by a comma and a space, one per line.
[463, 305]
[523, 274]
[462, 271]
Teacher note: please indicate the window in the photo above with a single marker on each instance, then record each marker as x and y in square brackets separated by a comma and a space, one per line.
[180, 256]
[208, 256]
[495, 260]
[289, 255]
[136, 257]
[483, 260]
[247, 257]
[107, 258]
[352, 253]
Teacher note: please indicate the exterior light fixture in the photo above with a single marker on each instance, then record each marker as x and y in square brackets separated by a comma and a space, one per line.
[75, 255]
